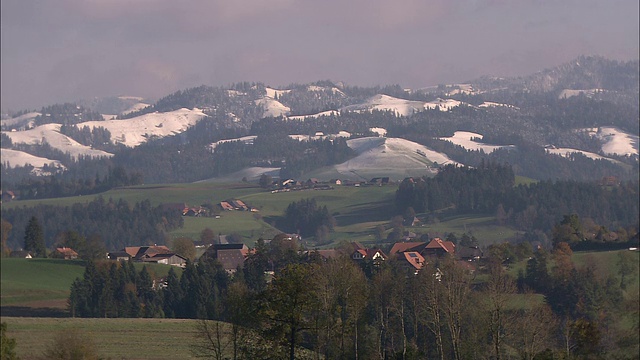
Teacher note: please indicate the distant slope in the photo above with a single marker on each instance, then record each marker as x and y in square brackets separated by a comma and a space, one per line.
[464, 139]
[137, 130]
[385, 157]
[401, 107]
[272, 107]
[566, 152]
[616, 141]
[19, 121]
[50, 133]
[20, 158]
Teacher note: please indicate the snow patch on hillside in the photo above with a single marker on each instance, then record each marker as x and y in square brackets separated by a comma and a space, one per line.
[333, 89]
[487, 104]
[15, 158]
[272, 93]
[382, 102]
[464, 139]
[135, 131]
[442, 104]
[567, 152]
[314, 116]
[616, 141]
[461, 89]
[136, 107]
[234, 93]
[394, 156]
[272, 107]
[50, 133]
[567, 93]
[250, 174]
[25, 120]
[320, 136]
[379, 131]
[248, 140]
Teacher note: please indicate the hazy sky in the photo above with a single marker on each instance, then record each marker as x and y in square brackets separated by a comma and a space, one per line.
[64, 50]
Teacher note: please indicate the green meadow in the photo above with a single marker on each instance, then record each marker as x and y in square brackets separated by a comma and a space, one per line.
[114, 338]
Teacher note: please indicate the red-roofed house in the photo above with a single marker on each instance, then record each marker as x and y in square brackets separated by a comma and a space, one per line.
[412, 260]
[375, 255]
[438, 247]
[65, 253]
[400, 247]
[226, 206]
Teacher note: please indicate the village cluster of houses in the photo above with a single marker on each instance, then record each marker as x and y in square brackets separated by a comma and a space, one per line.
[315, 184]
[59, 253]
[412, 255]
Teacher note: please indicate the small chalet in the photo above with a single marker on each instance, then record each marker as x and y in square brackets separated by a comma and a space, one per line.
[361, 253]
[119, 256]
[411, 221]
[65, 253]
[167, 259]
[137, 252]
[324, 255]
[8, 196]
[20, 254]
[468, 253]
[194, 211]
[380, 180]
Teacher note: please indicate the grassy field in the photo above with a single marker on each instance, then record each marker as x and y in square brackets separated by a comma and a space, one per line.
[115, 338]
[43, 282]
[483, 227]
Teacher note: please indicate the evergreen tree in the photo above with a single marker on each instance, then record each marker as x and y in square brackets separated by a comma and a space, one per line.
[34, 238]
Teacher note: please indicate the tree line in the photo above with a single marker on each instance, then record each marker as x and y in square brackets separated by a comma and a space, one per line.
[116, 223]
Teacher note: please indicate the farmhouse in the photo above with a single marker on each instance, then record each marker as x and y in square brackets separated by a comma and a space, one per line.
[230, 256]
[65, 253]
[167, 259]
[159, 254]
[225, 206]
[8, 196]
[438, 247]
